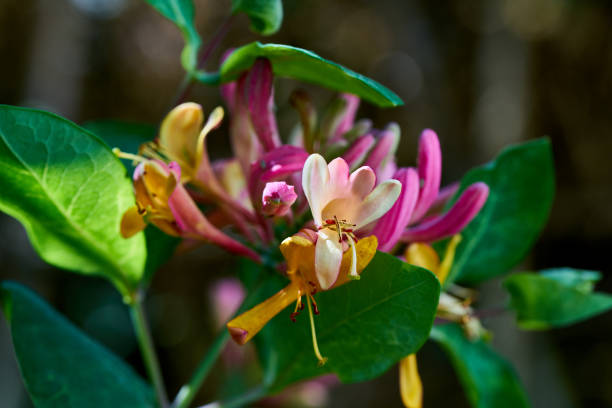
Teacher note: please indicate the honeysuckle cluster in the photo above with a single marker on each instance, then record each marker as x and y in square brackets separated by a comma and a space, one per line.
[333, 190]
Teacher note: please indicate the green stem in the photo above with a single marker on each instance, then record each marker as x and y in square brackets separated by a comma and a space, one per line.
[188, 391]
[147, 348]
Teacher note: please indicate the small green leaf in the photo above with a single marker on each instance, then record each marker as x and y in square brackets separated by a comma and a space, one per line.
[555, 298]
[61, 366]
[307, 66]
[181, 13]
[521, 183]
[488, 380]
[266, 15]
[69, 191]
[363, 327]
[127, 136]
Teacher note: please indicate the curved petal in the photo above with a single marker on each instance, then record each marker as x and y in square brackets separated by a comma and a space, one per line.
[362, 182]
[377, 203]
[178, 133]
[451, 223]
[430, 171]
[359, 149]
[328, 257]
[390, 226]
[338, 176]
[315, 176]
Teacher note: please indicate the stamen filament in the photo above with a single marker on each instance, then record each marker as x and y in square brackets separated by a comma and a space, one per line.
[353, 274]
[322, 360]
[128, 156]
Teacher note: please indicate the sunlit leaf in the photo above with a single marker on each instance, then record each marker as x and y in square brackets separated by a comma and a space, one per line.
[488, 380]
[307, 66]
[69, 191]
[555, 298]
[60, 365]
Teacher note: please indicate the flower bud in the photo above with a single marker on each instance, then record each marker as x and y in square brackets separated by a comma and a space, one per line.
[277, 198]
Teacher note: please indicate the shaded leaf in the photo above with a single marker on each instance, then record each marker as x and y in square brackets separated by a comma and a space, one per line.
[364, 326]
[307, 66]
[61, 366]
[555, 298]
[266, 15]
[69, 191]
[521, 183]
[489, 381]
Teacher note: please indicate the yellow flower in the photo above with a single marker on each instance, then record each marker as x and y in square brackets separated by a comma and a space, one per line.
[423, 255]
[299, 252]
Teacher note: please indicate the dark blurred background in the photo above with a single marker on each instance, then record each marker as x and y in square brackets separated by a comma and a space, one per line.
[482, 73]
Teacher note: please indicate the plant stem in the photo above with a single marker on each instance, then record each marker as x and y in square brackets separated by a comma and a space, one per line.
[147, 348]
[250, 396]
[188, 391]
[187, 82]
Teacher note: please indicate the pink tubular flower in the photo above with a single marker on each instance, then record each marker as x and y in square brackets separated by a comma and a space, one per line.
[277, 198]
[398, 224]
[341, 204]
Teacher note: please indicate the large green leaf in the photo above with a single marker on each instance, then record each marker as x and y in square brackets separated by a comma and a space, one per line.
[307, 66]
[364, 326]
[555, 298]
[488, 380]
[266, 15]
[69, 191]
[128, 136]
[181, 13]
[521, 182]
[61, 366]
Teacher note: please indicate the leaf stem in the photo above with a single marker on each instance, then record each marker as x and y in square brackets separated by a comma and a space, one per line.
[147, 348]
[188, 391]
[212, 78]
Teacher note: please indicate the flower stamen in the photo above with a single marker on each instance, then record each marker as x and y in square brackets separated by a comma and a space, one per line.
[322, 360]
[128, 156]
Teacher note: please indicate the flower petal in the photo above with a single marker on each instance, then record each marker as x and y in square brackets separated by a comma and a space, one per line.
[328, 258]
[260, 96]
[315, 176]
[430, 172]
[390, 226]
[179, 131]
[362, 182]
[460, 214]
[385, 149]
[411, 387]
[377, 203]
[355, 155]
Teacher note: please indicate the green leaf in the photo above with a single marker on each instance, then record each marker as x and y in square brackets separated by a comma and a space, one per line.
[266, 15]
[181, 13]
[521, 182]
[307, 66]
[69, 191]
[363, 327]
[127, 136]
[61, 366]
[488, 380]
[555, 298]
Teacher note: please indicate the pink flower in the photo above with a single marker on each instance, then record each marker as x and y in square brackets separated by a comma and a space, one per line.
[277, 198]
[341, 204]
[410, 209]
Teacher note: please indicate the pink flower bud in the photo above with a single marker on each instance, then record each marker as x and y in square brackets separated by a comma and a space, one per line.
[277, 198]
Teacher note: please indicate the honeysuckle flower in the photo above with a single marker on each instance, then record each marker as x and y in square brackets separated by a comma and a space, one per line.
[341, 204]
[299, 253]
[449, 308]
[382, 156]
[277, 198]
[163, 201]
